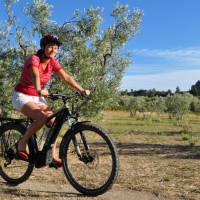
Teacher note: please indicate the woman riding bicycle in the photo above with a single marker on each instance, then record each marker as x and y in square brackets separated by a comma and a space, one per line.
[29, 93]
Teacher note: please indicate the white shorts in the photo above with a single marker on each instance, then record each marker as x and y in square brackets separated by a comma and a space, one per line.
[20, 99]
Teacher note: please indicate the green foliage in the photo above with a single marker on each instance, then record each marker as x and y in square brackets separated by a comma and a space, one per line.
[195, 105]
[177, 90]
[195, 89]
[167, 178]
[178, 104]
[133, 104]
[149, 93]
[186, 137]
[94, 57]
[39, 13]
[151, 108]
[142, 104]
[155, 104]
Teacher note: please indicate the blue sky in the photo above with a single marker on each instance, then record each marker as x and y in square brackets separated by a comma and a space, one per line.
[166, 50]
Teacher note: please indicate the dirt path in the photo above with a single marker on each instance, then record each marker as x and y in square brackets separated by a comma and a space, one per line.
[39, 190]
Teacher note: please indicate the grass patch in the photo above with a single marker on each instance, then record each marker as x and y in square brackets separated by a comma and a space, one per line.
[167, 178]
[186, 137]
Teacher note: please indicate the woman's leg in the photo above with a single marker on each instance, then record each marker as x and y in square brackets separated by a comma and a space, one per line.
[54, 152]
[39, 113]
[33, 111]
[48, 113]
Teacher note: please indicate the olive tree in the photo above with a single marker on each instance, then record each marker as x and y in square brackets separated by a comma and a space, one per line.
[94, 56]
[155, 104]
[195, 105]
[178, 105]
[133, 104]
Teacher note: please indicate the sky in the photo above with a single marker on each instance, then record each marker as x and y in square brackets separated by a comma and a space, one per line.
[165, 51]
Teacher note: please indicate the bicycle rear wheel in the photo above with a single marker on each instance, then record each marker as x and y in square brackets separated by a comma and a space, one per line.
[95, 171]
[12, 169]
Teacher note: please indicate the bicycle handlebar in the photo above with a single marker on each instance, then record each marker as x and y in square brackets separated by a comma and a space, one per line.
[55, 96]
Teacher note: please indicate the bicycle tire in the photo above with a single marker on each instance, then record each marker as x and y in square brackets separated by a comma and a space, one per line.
[13, 131]
[96, 152]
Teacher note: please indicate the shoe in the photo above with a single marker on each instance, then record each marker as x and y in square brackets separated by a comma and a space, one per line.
[58, 163]
[55, 163]
[22, 154]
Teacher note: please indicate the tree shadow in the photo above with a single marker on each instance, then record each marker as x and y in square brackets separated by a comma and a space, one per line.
[161, 150]
[8, 189]
[163, 133]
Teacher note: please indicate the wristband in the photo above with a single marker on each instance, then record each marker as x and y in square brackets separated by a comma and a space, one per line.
[39, 92]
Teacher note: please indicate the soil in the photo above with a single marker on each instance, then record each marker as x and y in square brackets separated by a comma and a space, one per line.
[147, 172]
[41, 190]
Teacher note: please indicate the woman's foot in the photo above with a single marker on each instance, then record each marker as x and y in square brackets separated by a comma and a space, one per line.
[57, 162]
[21, 150]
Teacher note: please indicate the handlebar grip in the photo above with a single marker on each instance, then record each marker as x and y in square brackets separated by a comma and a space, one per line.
[53, 97]
[83, 95]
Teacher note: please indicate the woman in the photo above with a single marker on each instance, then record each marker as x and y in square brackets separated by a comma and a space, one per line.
[29, 94]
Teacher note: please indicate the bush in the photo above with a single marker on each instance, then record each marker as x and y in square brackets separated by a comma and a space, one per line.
[195, 105]
[178, 105]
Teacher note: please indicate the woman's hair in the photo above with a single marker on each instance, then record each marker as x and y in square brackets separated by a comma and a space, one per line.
[49, 39]
[40, 53]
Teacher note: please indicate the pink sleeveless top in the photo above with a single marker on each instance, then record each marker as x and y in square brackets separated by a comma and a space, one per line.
[25, 84]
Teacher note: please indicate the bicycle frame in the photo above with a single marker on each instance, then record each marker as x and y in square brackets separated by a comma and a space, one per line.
[39, 157]
[60, 117]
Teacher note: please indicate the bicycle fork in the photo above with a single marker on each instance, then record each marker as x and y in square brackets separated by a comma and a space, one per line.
[77, 146]
[85, 155]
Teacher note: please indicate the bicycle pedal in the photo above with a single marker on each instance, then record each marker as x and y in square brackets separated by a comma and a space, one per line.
[53, 165]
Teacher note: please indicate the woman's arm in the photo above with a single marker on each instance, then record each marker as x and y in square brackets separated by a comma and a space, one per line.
[36, 81]
[35, 78]
[69, 80]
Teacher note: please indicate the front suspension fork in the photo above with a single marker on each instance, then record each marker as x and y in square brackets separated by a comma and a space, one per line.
[77, 147]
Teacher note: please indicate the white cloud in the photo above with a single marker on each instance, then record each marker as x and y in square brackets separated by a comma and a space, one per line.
[191, 55]
[162, 81]
[165, 69]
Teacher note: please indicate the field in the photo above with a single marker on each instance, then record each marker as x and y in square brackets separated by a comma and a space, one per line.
[156, 156]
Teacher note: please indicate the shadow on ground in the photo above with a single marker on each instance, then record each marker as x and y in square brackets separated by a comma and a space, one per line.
[163, 150]
[35, 192]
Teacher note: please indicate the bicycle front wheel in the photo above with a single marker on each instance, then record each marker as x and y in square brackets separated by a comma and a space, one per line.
[90, 160]
[12, 169]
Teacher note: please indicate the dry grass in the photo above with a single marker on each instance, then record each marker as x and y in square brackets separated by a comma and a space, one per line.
[170, 170]
[157, 155]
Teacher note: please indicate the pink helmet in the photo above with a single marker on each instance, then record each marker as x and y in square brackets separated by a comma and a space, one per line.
[49, 39]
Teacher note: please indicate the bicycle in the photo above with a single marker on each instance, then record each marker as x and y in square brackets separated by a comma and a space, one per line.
[89, 157]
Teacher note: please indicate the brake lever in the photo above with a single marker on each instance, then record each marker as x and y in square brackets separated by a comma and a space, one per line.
[84, 95]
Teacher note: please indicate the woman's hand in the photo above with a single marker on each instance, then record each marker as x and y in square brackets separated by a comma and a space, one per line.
[86, 92]
[44, 93]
